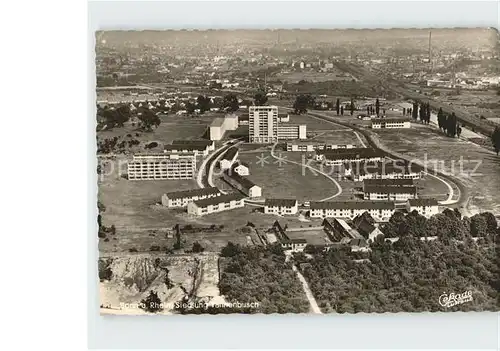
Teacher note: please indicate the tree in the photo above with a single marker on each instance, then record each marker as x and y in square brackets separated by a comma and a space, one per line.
[300, 104]
[152, 303]
[203, 103]
[230, 103]
[377, 107]
[352, 106]
[342, 110]
[495, 139]
[451, 125]
[230, 250]
[197, 247]
[415, 110]
[260, 98]
[441, 119]
[149, 119]
[337, 106]
[190, 107]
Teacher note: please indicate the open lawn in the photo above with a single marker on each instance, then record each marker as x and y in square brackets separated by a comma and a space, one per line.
[477, 168]
[313, 123]
[338, 137]
[286, 180]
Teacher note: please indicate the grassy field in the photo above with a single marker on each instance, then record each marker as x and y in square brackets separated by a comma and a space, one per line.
[426, 143]
[313, 123]
[287, 180]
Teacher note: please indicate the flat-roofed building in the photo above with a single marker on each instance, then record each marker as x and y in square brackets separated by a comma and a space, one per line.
[309, 146]
[229, 158]
[216, 204]
[197, 147]
[380, 210]
[263, 124]
[281, 206]
[283, 117]
[292, 132]
[424, 207]
[220, 125]
[182, 198]
[162, 166]
[391, 193]
[341, 156]
[390, 123]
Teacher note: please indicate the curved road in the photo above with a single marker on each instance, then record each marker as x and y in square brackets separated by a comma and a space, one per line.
[447, 180]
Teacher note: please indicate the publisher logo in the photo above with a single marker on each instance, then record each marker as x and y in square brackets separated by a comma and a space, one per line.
[453, 299]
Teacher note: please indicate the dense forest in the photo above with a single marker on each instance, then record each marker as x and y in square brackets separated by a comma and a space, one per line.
[410, 275]
[256, 274]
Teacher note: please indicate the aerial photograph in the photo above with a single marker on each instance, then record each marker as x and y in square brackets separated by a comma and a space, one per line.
[305, 171]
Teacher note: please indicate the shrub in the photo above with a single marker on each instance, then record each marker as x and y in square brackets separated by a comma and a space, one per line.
[154, 248]
[133, 249]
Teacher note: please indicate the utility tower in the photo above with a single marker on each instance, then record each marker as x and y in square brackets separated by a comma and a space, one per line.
[430, 51]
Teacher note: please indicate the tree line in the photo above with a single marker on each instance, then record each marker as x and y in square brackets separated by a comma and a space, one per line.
[410, 275]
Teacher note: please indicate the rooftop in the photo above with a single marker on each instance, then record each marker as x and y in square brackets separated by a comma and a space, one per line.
[390, 189]
[219, 199]
[280, 202]
[217, 122]
[245, 182]
[193, 192]
[354, 205]
[390, 120]
[388, 182]
[423, 202]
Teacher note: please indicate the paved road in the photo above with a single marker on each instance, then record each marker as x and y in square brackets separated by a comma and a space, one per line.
[204, 170]
[314, 170]
[462, 191]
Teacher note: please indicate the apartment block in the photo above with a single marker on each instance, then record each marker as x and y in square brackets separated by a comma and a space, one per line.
[263, 124]
[183, 198]
[379, 210]
[162, 166]
[292, 132]
[216, 204]
[390, 123]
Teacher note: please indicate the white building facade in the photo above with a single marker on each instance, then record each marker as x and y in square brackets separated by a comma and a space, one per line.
[263, 124]
[216, 204]
[162, 166]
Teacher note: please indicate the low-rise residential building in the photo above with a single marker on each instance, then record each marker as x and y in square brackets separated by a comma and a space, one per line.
[229, 158]
[281, 206]
[309, 146]
[162, 166]
[387, 171]
[292, 132]
[241, 168]
[341, 156]
[283, 117]
[243, 184]
[338, 229]
[390, 123]
[391, 193]
[216, 204]
[388, 183]
[365, 225]
[381, 211]
[294, 245]
[424, 207]
[182, 198]
[220, 125]
[197, 147]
